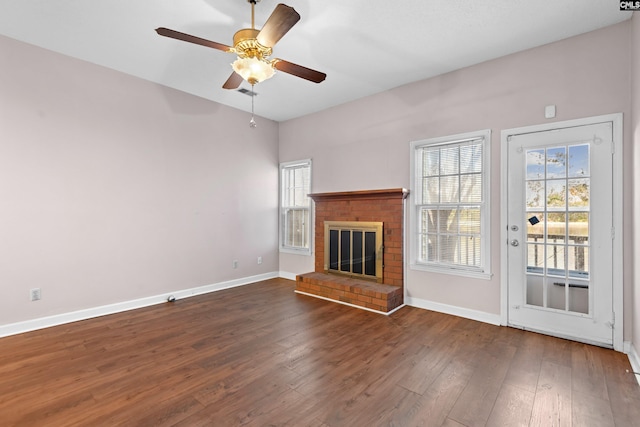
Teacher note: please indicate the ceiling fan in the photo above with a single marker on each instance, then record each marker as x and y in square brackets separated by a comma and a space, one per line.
[254, 47]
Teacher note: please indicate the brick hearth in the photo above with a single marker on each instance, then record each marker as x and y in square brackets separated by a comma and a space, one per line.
[363, 293]
[386, 206]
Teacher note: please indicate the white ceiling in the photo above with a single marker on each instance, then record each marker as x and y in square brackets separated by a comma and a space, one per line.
[364, 46]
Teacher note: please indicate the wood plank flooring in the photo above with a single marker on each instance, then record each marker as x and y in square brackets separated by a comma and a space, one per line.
[261, 355]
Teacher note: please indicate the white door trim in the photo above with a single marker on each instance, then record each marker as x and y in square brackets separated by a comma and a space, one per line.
[618, 289]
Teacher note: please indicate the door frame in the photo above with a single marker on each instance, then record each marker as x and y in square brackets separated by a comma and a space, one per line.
[618, 273]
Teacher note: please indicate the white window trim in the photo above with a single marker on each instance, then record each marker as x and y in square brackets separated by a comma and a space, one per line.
[414, 263]
[284, 249]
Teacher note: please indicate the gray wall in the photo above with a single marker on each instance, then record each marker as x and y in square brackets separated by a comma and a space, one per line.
[583, 76]
[113, 188]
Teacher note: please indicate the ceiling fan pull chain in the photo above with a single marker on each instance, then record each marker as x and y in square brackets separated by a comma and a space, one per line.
[252, 122]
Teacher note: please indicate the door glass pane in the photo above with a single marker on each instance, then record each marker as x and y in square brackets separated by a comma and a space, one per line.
[578, 261]
[555, 260]
[556, 227]
[556, 194]
[556, 162]
[557, 218]
[579, 228]
[556, 296]
[536, 224]
[534, 290]
[535, 258]
[579, 193]
[535, 194]
[535, 164]
[579, 160]
[579, 296]
[578, 251]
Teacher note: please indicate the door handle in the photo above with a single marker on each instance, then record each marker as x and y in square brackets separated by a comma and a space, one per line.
[515, 242]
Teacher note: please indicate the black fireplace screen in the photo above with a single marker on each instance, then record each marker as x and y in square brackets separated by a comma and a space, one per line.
[354, 250]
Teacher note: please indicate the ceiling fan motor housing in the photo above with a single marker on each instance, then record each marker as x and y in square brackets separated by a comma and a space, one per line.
[246, 45]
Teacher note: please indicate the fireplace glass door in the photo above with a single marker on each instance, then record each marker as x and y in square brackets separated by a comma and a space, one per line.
[354, 249]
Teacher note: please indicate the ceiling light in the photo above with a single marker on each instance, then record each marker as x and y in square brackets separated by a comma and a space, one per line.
[253, 70]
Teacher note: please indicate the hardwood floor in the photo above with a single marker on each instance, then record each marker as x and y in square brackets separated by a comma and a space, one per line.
[261, 355]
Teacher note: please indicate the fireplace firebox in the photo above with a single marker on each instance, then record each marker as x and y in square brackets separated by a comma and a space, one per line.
[354, 248]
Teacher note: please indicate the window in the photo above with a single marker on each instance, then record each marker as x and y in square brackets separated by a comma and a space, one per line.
[450, 212]
[295, 207]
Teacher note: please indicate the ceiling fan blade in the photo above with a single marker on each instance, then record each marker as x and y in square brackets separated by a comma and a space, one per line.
[299, 71]
[233, 81]
[191, 39]
[281, 20]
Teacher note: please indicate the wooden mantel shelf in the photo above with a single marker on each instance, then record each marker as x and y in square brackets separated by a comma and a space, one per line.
[391, 193]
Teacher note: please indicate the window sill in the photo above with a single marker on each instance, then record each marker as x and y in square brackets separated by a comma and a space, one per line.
[305, 252]
[451, 270]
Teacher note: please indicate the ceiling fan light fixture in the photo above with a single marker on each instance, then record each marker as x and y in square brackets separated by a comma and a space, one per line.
[253, 70]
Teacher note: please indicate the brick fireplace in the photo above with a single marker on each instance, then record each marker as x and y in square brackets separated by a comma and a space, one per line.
[371, 206]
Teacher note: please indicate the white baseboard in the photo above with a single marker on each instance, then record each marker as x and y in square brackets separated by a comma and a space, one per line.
[287, 275]
[480, 316]
[74, 316]
[634, 359]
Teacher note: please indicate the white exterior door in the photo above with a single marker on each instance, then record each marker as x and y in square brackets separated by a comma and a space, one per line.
[560, 232]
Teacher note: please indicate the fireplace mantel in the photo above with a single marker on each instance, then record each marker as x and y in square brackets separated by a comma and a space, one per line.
[391, 193]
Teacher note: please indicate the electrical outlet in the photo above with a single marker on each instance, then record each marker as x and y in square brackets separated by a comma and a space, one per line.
[259, 260]
[35, 294]
[235, 263]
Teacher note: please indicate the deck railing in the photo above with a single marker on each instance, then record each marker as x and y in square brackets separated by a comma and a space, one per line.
[575, 242]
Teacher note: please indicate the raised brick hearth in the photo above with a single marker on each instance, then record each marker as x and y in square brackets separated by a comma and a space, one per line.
[363, 293]
[386, 206]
